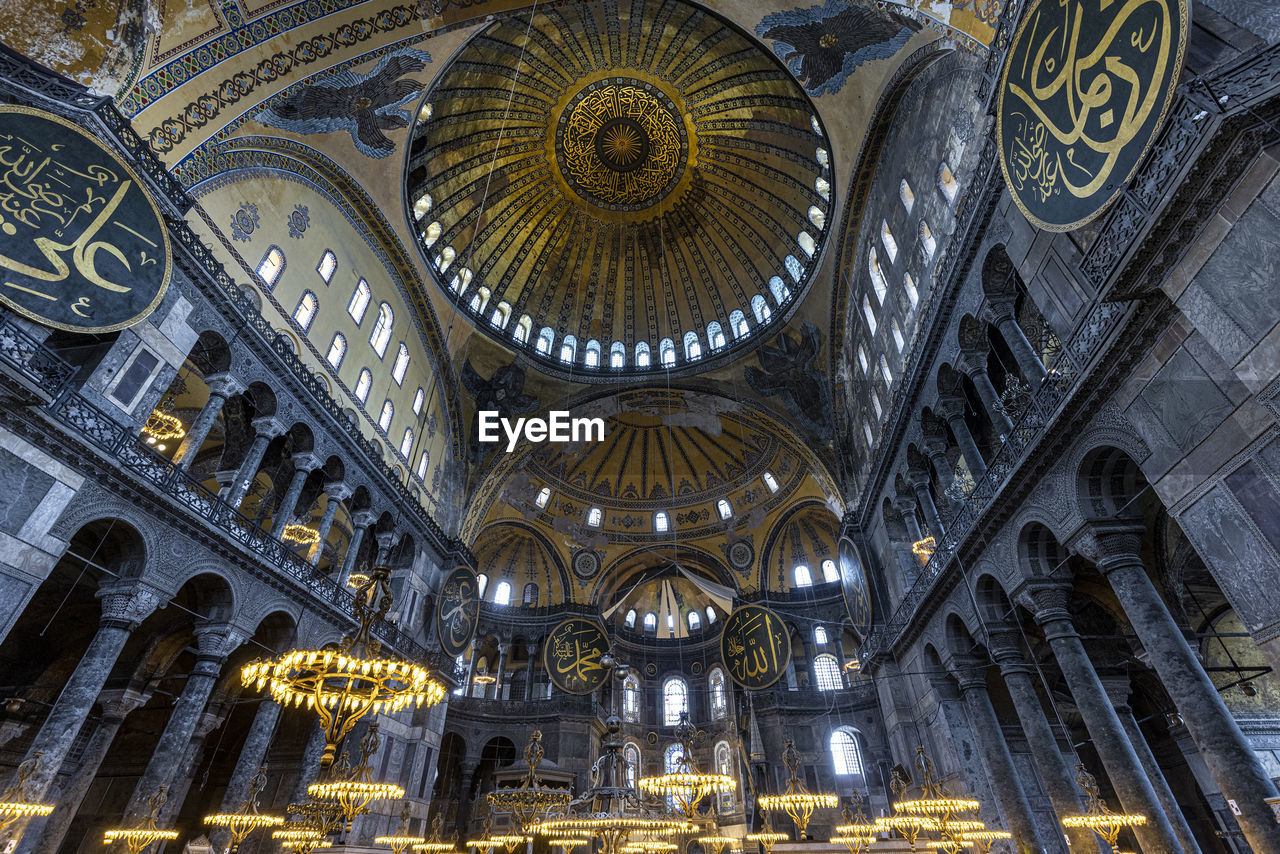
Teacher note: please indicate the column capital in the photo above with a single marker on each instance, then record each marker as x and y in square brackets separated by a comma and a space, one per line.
[337, 491]
[305, 461]
[973, 360]
[1005, 644]
[269, 426]
[1117, 687]
[363, 518]
[905, 503]
[998, 307]
[119, 702]
[970, 672]
[1110, 544]
[935, 446]
[917, 479]
[950, 407]
[209, 721]
[1047, 601]
[223, 385]
[126, 602]
[215, 641]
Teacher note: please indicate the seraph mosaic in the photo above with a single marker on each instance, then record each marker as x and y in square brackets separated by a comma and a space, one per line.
[364, 105]
[822, 45]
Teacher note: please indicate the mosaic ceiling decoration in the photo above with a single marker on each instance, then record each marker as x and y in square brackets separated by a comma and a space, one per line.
[620, 187]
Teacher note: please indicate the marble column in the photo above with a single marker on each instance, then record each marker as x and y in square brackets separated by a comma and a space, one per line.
[116, 706]
[531, 671]
[309, 764]
[361, 520]
[464, 798]
[919, 483]
[214, 643]
[335, 494]
[499, 674]
[253, 753]
[187, 768]
[1222, 746]
[970, 674]
[1059, 781]
[906, 505]
[1048, 602]
[221, 387]
[303, 465]
[125, 603]
[999, 311]
[1117, 689]
[952, 409]
[974, 364]
[935, 448]
[265, 430]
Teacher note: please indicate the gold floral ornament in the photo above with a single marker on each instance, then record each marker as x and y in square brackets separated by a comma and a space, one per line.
[14, 804]
[345, 683]
[246, 819]
[145, 832]
[1097, 817]
[529, 802]
[355, 791]
[400, 840]
[686, 785]
[796, 800]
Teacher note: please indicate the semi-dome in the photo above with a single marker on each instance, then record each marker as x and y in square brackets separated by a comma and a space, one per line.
[620, 188]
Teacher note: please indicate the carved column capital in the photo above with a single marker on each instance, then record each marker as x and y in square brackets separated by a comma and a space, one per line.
[950, 407]
[973, 360]
[116, 704]
[215, 641]
[917, 479]
[269, 426]
[363, 518]
[1047, 601]
[126, 602]
[970, 672]
[998, 307]
[223, 385]
[935, 446]
[1110, 544]
[337, 491]
[305, 461]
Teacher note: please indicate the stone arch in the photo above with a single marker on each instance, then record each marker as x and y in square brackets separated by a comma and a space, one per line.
[993, 603]
[1109, 484]
[1040, 553]
[261, 398]
[999, 276]
[210, 354]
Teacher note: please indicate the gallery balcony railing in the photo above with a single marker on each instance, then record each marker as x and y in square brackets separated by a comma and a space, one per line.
[40, 370]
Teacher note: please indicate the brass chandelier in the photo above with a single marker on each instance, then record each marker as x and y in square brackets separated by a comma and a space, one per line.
[1097, 817]
[686, 786]
[936, 811]
[145, 832]
[13, 802]
[531, 800]
[796, 800]
[766, 837]
[400, 840]
[246, 819]
[345, 683]
[353, 792]
[858, 832]
[299, 838]
[436, 843]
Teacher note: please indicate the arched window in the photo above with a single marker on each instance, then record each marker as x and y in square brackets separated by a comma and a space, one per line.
[271, 267]
[381, 335]
[869, 313]
[803, 577]
[592, 357]
[711, 615]
[568, 349]
[337, 351]
[530, 597]
[827, 671]
[401, 365]
[460, 281]
[502, 593]
[820, 635]
[673, 759]
[890, 245]
[305, 314]
[695, 621]
[947, 182]
[829, 571]
[631, 619]
[777, 287]
[719, 698]
[479, 300]
[724, 767]
[666, 352]
[846, 755]
[631, 758]
[675, 700]
[431, 234]
[384, 418]
[823, 189]
[522, 329]
[363, 384]
[878, 281]
[866, 430]
[660, 522]
[817, 217]
[908, 197]
[617, 355]
[631, 692]
[820, 154]
[650, 622]
[898, 340]
[482, 581]
[328, 266]
[642, 355]
[770, 481]
[545, 339]
[738, 324]
[447, 255]
[806, 243]
[419, 398]
[927, 242]
[359, 303]
[406, 443]
[501, 314]
[875, 404]
[909, 285]
[715, 336]
[692, 347]
[723, 508]
[593, 517]
[423, 462]
[544, 495]
[761, 309]
[794, 268]
[422, 206]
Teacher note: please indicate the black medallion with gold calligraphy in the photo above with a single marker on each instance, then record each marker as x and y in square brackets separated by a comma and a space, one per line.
[755, 646]
[853, 583]
[1085, 89]
[458, 611]
[572, 656]
[82, 245]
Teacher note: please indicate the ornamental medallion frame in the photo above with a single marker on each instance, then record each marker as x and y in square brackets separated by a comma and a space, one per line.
[556, 648]
[741, 637]
[855, 587]
[460, 592]
[1032, 160]
[82, 255]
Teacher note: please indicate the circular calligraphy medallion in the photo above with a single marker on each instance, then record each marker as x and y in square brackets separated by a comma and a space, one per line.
[1084, 93]
[853, 583]
[755, 647]
[82, 245]
[572, 656]
[457, 611]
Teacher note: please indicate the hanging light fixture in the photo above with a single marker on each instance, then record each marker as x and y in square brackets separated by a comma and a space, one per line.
[611, 810]
[858, 832]
[299, 838]
[13, 802]
[933, 810]
[399, 841]
[1097, 817]
[247, 819]
[568, 843]
[488, 840]
[299, 533]
[324, 816]
[766, 837]
[484, 677]
[346, 683]
[531, 800]
[796, 800]
[145, 832]
[353, 792]
[436, 843]
[983, 839]
[686, 786]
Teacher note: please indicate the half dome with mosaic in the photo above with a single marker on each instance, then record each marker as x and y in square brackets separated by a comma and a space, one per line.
[642, 191]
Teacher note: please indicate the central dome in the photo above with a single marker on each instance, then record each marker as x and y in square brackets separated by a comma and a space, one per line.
[619, 188]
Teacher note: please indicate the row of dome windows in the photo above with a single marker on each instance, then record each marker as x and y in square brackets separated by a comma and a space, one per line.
[661, 520]
[694, 619]
[269, 270]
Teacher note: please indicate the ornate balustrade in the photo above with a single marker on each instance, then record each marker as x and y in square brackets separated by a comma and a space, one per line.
[42, 370]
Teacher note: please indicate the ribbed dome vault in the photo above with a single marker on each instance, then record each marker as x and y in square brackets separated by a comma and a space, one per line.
[620, 187]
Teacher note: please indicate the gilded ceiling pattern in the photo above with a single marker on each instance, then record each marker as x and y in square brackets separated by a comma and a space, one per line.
[620, 187]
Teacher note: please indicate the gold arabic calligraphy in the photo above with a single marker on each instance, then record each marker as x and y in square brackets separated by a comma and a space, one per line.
[756, 647]
[583, 165]
[573, 656]
[459, 608]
